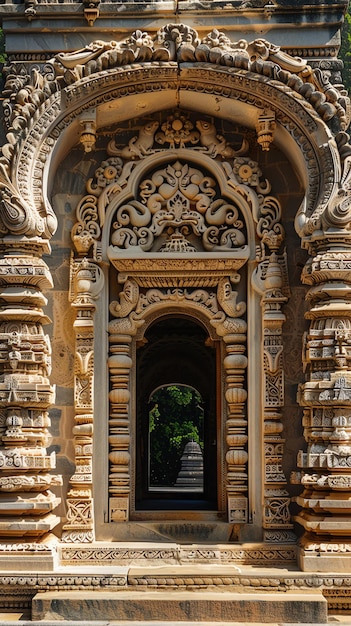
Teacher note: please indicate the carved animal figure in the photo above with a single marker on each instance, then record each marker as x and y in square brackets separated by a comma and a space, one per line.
[138, 146]
[227, 298]
[216, 144]
[128, 299]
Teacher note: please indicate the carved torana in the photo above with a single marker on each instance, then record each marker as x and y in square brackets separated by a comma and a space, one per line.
[160, 193]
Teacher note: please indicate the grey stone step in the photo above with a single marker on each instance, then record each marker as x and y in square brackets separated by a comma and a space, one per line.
[181, 606]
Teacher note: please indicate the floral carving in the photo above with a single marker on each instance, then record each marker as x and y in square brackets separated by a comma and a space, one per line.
[177, 131]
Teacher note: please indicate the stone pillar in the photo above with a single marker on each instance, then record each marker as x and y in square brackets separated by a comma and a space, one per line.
[120, 364]
[235, 364]
[326, 395]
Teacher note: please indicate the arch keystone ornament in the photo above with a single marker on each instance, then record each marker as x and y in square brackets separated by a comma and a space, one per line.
[178, 219]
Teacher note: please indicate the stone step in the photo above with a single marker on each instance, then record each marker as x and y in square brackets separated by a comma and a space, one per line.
[181, 606]
[346, 621]
[341, 621]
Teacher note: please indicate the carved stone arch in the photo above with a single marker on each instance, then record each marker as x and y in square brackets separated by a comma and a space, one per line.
[191, 312]
[241, 194]
[298, 131]
[64, 117]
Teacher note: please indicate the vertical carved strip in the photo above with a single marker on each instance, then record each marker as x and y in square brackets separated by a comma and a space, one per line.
[233, 329]
[268, 280]
[26, 502]
[120, 363]
[86, 284]
[276, 515]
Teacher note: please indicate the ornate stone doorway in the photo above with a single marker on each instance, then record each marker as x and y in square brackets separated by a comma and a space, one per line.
[178, 209]
[185, 236]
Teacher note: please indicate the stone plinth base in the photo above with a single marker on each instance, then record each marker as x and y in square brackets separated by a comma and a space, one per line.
[315, 561]
[324, 554]
[29, 557]
[170, 605]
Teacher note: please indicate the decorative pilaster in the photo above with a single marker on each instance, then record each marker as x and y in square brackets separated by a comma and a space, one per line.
[86, 284]
[233, 330]
[326, 398]
[276, 517]
[121, 331]
[270, 280]
[26, 502]
[235, 364]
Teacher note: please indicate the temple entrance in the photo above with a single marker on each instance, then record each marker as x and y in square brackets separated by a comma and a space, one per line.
[176, 406]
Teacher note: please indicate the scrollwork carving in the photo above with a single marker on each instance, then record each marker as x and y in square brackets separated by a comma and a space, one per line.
[177, 207]
[181, 43]
[227, 297]
[128, 299]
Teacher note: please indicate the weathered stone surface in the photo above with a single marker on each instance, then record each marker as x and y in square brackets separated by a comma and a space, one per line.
[181, 606]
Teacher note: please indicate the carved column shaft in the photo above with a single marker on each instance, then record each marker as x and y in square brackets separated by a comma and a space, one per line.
[120, 365]
[276, 515]
[235, 364]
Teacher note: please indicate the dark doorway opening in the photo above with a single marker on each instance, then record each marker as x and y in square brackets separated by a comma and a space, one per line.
[176, 406]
